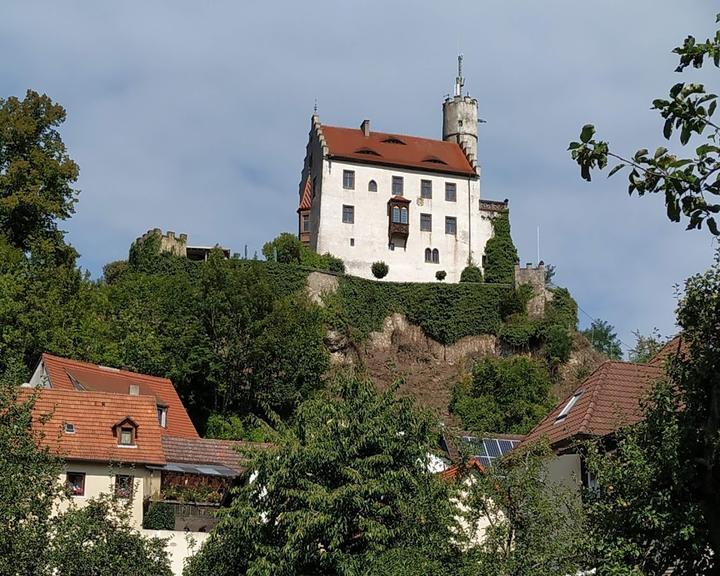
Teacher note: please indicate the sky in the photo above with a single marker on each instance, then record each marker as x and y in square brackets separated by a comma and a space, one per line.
[193, 117]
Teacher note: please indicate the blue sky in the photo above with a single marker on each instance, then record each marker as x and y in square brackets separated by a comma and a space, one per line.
[193, 116]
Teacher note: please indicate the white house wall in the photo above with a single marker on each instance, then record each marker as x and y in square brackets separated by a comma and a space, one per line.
[370, 228]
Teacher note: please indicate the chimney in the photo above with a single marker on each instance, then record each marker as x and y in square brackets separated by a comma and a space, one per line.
[134, 389]
[365, 127]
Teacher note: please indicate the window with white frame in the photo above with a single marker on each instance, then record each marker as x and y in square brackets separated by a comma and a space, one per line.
[568, 406]
[75, 482]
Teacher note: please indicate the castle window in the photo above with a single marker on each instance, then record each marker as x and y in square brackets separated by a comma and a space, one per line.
[397, 185]
[426, 189]
[428, 255]
[372, 186]
[349, 179]
[348, 214]
[436, 256]
[396, 214]
[426, 222]
[450, 192]
[403, 215]
[451, 225]
[306, 223]
[352, 241]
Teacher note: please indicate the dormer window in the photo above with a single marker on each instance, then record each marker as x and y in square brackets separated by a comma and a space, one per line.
[393, 140]
[162, 416]
[367, 152]
[126, 432]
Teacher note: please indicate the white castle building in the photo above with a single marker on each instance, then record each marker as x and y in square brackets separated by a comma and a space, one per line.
[413, 203]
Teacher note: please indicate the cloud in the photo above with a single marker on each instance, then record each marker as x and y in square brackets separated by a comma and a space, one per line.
[194, 117]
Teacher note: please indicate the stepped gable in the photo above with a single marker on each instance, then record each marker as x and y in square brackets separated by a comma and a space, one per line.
[200, 451]
[606, 400]
[93, 417]
[66, 374]
[397, 150]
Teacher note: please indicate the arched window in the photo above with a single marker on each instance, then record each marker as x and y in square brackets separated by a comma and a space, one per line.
[372, 186]
[428, 255]
[396, 214]
[403, 215]
[436, 256]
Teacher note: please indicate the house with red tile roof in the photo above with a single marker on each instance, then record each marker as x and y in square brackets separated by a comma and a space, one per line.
[607, 400]
[412, 202]
[129, 434]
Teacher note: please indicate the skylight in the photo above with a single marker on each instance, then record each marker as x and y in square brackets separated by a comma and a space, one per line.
[570, 403]
[69, 428]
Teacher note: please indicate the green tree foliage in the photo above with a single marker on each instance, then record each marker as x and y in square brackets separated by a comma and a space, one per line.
[506, 395]
[98, 539]
[603, 338]
[471, 273]
[36, 172]
[287, 249]
[690, 185]
[160, 516]
[662, 477]
[646, 346]
[347, 484]
[534, 527]
[500, 253]
[379, 269]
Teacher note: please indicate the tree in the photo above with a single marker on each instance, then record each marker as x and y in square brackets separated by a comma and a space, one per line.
[500, 252]
[603, 338]
[690, 185]
[533, 527]
[36, 172]
[471, 273]
[346, 483]
[507, 395]
[287, 249]
[646, 346]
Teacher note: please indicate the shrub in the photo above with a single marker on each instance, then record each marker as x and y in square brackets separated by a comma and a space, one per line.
[160, 516]
[519, 332]
[334, 264]
[501, 254]
[471, 273]
[441, 275]
[562, 309]
[379, 269]
[285, 248]
[558, 344]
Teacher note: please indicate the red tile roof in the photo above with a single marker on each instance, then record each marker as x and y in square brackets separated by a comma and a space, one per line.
[93, 415]
[306, 199]
[610, 398]
[384, 149]
[207, 451]
[65, 374]
[675, 347]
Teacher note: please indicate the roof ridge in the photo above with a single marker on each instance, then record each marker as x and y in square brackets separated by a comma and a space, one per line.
[102, 368]
[393, 134]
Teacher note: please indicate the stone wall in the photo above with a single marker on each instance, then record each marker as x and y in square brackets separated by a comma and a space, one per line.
[534, 276]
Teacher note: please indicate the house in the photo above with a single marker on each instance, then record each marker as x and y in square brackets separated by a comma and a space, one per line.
[608, 399]
[128, 434]
[411, 202]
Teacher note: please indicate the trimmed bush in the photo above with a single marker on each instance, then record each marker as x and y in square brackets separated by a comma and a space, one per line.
[160, 516]
[471, 273]
[441, 275]
[379, 269]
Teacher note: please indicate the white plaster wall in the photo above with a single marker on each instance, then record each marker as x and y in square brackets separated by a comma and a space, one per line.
[370, 229]
[100, 479]
[179, 545]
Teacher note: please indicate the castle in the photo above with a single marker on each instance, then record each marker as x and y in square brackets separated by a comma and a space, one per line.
[411, 202]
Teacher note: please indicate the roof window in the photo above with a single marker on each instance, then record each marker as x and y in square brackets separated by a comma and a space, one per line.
[566, 409]
[434, 160]
[69, 428]
[393, 140]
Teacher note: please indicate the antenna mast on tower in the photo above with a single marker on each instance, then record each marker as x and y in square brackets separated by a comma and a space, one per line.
[459, 80]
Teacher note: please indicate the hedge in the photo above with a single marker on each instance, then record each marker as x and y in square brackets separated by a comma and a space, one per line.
[445, 312]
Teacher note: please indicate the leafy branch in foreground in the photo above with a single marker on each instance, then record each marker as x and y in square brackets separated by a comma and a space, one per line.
[690, 184]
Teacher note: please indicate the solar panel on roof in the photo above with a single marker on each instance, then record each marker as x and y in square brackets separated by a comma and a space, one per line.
[492, 447]
[505, 446]
[485, 461]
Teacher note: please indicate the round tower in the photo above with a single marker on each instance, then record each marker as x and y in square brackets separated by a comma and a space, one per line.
[460, 119]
